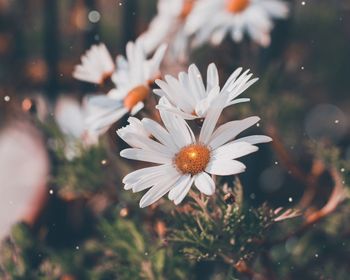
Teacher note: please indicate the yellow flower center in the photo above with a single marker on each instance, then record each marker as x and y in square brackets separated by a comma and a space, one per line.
[192, 159]
[236, 6]
[186, 8]
[136, 95]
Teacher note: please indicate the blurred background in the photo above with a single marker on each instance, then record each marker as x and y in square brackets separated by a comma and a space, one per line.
[302, 98]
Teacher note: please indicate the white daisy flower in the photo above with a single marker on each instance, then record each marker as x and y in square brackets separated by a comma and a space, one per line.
[132, 77]
[70, 116]
[212, 20]
[182, 160]
[168, 26]
[96, 65]
[188, 97]
[24, 170]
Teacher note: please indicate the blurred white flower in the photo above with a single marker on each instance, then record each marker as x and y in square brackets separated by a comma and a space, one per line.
[187, 96]
[168, 27]
[212, 20]
[132, 78]
[96, 65]
[71, 117]
[181, 158]
[24, 170]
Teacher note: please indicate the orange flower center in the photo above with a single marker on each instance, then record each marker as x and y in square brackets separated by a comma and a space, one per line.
[192, 159]
[136, 95]
[186, 8]
[236, 6]
[105, 77]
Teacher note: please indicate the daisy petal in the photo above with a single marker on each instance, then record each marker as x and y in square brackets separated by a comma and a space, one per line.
[225, 167]
[153, 178]
[143, 155]
[230, 130]
[179, 186]
[159, 132]
[134, 176]
[204, 183]
[211, 119]
[184, 192]
[234, 150]
[160, 189]
[255, 139]
[212, 77]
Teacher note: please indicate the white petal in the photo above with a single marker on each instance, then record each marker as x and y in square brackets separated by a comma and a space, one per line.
[212, 77]
[212, 118]
[230, 130]
[237, 101]
[178, 129]
[136, 175]
[179, 187]
[153, 178]
[143, 155]
[255, 139]
[196, 82]
[184, 192]
[160, 133]
[174, 110]
[234, 150]
[69, 117]
[225, 167]
[141, 141]
[204, 183]
[137, 108]
[101, 123]
[160, 189]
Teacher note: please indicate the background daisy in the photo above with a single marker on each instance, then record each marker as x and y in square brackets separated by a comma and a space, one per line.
[211, 20]
[132, 78]
[96, 65]
[71, 117]
[168, 27]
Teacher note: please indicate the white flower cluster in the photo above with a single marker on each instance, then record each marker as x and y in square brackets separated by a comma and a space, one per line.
[191, 23]
[182, 158]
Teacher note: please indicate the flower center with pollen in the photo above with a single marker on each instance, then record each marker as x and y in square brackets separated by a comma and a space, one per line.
[192, 159]
[236, 6]
[136, 95]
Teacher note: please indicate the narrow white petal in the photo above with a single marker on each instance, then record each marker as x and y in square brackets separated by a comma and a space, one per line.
[143, 155]
[204, 183]
[174, 110]
[212, 118]
[196, 82]
[255, 139]
[101, 123]
[237, 101]
[137, 108]
[178, 129]
[234, 150]
[152, 178]
[212, 77]
[160, 189]
[136, 175]
[225, 167]
[179, 186]
[160, 133]
[184, 192]
[230, 130]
